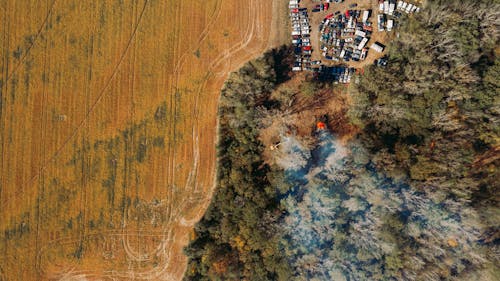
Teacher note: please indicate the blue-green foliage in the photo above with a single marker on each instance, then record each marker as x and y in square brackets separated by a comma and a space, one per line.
[347, 220]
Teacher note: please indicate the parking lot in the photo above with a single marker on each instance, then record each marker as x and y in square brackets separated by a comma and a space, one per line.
[350, 34]
[339, 9]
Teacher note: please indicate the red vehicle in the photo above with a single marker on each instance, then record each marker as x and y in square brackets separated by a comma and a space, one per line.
[347, 14]
[326, 6]
[329, 16]
[295, 11]
[307, 48]
[367, 28]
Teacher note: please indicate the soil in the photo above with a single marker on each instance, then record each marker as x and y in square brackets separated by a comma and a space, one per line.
[329, 105]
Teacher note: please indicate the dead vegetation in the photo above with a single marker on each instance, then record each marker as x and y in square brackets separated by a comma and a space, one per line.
[303, 104]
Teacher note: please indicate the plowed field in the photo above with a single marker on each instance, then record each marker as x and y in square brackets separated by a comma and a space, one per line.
[108, 128]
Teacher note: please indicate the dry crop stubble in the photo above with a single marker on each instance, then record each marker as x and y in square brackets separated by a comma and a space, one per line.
[108, 129]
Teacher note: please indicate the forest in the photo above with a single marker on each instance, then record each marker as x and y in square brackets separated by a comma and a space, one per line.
[412, 196]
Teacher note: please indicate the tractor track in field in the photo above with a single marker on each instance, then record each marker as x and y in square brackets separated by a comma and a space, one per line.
[244, 43]
[235, 48]
[203, 35]
[124, 232]
[176, 215]
[131, 254]
[239, 45]
[172, 112]
[76, 130]
[167, 232]
[182, 215]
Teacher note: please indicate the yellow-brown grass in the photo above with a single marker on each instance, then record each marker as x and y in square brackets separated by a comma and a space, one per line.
[108, 128]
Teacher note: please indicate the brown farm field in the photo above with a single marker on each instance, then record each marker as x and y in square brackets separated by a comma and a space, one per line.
[108, 128]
